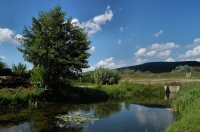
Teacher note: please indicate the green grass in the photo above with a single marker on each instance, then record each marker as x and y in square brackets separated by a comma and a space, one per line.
[187, 104]
[19, 99]
[127, 89]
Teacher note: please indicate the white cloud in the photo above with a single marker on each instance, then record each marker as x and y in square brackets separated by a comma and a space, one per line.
[198, 59]
[108, 63]
[121, 29]
[6, 35]
[159, 33]
[2, 57]
[94, 25]
[119, 41]
[101, 19]
[91, 68]
[191, 53]
[140, 53]
[140, 61]
[164, 54]
[151, 53]
[91, 50]
[167, 46]
[195, 43]
[170, 60]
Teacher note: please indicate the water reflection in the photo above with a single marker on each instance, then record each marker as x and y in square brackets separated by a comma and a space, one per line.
[120, 116]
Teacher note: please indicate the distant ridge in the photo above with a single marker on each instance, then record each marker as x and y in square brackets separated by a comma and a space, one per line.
[159, 67]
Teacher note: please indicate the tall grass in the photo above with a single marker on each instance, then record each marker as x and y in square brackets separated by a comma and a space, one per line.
[187, 104]
[127, 89]
[188, 93]
[18, 98]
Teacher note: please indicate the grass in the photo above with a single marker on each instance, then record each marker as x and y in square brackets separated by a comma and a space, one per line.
[128, 89]
[19, 97]
[161, 78]
[187, 104]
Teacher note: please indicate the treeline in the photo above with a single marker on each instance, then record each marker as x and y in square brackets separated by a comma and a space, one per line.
[160, 67]
[19, 70]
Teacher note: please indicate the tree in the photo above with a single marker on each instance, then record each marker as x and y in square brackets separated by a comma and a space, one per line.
[4, 69]
[59, 46]
[20, 70]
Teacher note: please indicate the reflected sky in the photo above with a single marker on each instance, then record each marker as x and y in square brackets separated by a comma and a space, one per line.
[127, 118]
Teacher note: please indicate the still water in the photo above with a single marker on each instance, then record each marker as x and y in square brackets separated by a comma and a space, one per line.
[111, 116]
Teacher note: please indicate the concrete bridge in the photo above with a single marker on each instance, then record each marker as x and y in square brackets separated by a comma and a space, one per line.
[171, 89]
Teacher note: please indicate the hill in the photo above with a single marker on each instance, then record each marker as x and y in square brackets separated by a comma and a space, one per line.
[160, 67]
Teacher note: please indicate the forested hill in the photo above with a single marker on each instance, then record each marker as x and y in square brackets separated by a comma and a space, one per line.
[159, 67]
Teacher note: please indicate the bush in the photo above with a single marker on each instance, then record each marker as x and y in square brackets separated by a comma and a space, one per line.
[101, 74]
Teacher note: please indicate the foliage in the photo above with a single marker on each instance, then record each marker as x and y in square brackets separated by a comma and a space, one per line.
[127, 71]
[37, 77]
[138, 72]
[101, 74]
[20, 70]
[86, 77]
[184, 68]
[4, 69]
[57, 45]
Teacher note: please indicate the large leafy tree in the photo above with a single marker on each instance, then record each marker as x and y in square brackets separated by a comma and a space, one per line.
[57, 45]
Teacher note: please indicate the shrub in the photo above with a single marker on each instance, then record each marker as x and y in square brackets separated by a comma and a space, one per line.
[101, 74]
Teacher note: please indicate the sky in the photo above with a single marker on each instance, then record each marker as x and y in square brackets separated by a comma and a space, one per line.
[122, 33]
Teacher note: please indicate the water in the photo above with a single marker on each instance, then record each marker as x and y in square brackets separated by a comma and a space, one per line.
[113, 116]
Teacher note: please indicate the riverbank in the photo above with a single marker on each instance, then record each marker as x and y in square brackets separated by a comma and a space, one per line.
[75, 94]
[187, 105]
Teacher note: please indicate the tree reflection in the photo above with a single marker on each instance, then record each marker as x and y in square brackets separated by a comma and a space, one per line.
[104, 110]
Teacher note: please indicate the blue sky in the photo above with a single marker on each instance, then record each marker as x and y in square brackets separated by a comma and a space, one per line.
[122, 33]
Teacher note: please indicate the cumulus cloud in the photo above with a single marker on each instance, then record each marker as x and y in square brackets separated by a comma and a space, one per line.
[194, 44]
[158, 34]
[91, 50]
[108, 63]
[94, 25]
[191, 53]
[121, 29]
[2, 57]
[6, 35]
[91, 68]
[170, 60]
[151, 53]
[119, 41]
[140, 61]
[167, 46]
[140, 53]
[155, 50]
[164, 53]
